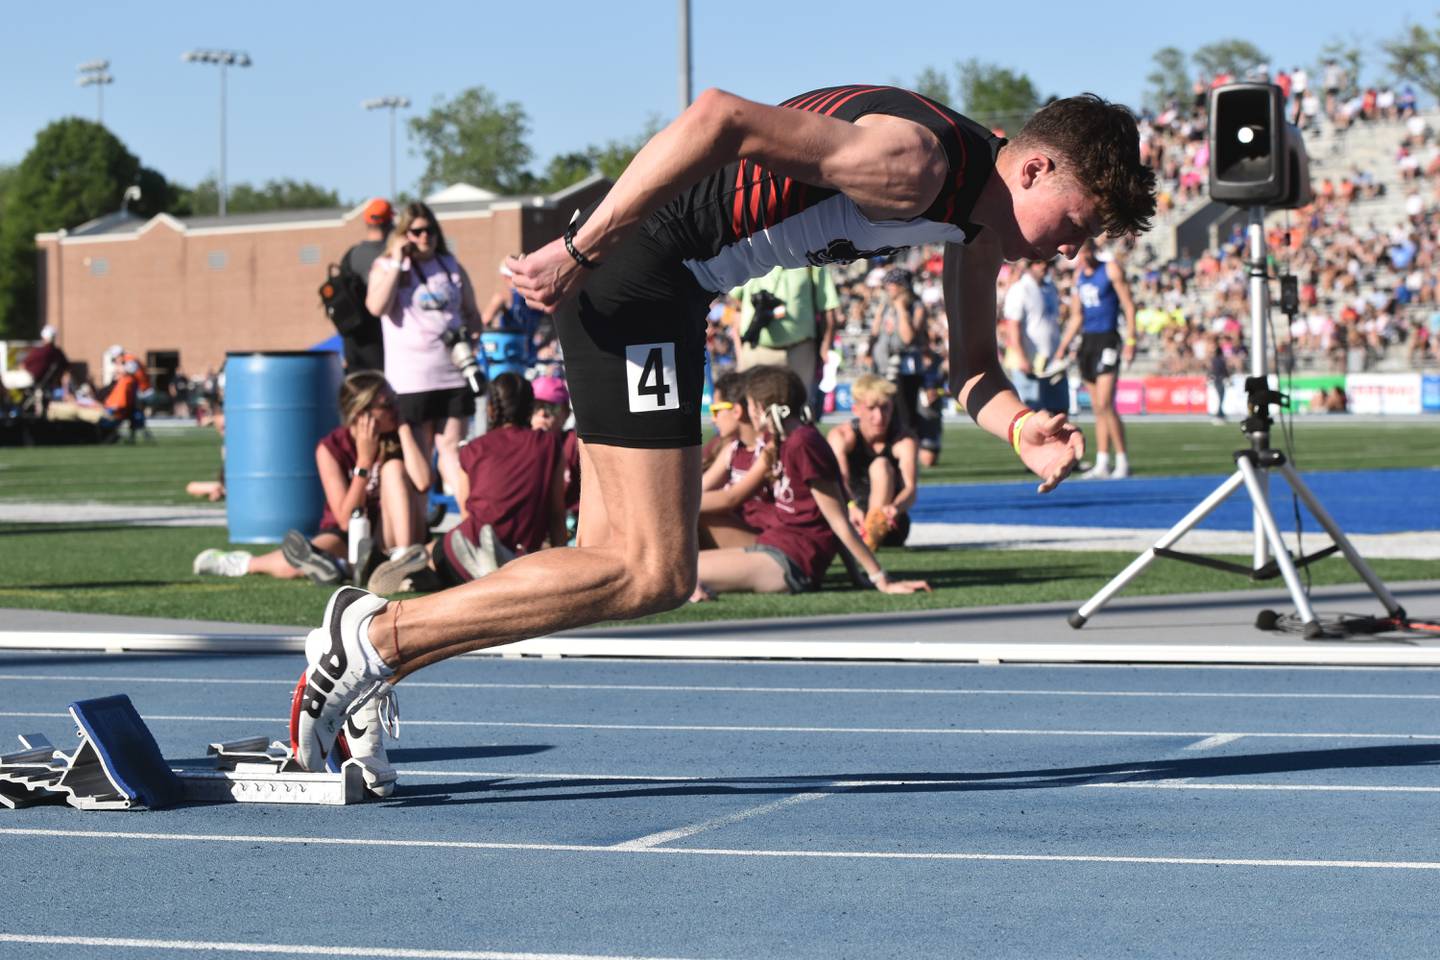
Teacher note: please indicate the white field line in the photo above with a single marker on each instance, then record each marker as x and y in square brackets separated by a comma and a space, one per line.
[373, 842]
[701, 688]
[294, 949]
[680, 833]
[1180, 783]
[1210, 743]
[732, 728]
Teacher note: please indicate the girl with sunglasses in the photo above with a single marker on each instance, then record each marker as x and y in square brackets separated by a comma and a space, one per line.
[419, 291]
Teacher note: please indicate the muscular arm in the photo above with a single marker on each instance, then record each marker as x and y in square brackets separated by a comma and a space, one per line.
[1072, 325]
[892, 168]
[907, 454]
[842, 441]
[976, 378]
[1127, 304]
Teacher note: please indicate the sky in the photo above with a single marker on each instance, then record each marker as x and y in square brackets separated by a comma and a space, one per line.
[585, 72]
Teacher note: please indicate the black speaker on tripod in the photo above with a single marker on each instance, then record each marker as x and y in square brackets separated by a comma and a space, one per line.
[1257, 159]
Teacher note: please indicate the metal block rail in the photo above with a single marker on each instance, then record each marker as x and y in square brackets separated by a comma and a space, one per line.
[118, 766]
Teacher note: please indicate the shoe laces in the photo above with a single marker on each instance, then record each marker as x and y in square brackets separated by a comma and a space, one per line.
[389, 710]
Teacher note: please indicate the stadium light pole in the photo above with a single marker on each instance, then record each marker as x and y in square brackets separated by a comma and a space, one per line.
[392, 104]
[222, 59]
[96, 73]
[685, 72]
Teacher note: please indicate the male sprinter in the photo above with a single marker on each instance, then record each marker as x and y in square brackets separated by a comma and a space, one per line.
[1101, 292]
[728, 191]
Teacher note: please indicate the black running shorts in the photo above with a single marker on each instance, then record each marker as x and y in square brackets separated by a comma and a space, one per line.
[1099, 354]
[634, 342]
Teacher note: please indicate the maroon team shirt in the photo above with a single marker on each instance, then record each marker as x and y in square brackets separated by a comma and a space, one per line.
[511, 470]
[797, 528]
[342, 447]
[755, 512]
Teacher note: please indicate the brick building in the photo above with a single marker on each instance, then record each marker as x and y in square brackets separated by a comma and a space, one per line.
[206, 285]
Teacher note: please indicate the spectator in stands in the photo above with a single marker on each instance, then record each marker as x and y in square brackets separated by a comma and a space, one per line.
[512, 496]
[422, 294]
[1032, 332]
[371, 463]
[785, 318]
[809, 522]
[734, 498]
[900, 338]
[552, 412]
[364, 343]
[878, 458]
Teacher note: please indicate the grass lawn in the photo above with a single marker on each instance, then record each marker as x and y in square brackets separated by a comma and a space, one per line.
[145, 571]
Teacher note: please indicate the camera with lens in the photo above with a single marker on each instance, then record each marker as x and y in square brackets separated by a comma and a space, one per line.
[768, 307]
[462, 354]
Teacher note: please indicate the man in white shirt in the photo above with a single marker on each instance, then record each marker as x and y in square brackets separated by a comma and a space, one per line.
[1032, 332]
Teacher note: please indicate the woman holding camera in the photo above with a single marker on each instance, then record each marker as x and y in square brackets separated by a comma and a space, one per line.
[421, 293]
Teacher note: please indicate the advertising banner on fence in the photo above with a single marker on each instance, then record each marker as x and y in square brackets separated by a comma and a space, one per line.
[1175, 395]
[1305, 391]
[1384, 392]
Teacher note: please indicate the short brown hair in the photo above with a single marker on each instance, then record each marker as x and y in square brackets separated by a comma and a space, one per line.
[769, 386]
[1099, 145]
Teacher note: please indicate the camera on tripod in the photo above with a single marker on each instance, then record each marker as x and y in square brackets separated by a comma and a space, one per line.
[1257, 159]
[768, 308]
[462, 354]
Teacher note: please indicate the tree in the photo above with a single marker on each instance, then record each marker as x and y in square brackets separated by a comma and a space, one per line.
[608, 159]
[203, 200]
[565, 169]
[932, 83]
[1233, 56]
[996, 95]
[1414, 55]
[474, 139]
[1170, 80]
[76, 171]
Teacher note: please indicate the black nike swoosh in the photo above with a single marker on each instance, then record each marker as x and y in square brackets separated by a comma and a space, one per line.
[352, 730]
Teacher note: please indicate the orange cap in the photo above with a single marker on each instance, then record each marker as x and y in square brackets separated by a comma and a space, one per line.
[378, 212]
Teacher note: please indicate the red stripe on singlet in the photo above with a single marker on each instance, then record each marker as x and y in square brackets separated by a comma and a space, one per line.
[960, 171]
[770, 200]
[830, 111]
[752, 193]
[737, 220]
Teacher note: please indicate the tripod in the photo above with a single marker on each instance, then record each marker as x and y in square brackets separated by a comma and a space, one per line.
[1249, 463]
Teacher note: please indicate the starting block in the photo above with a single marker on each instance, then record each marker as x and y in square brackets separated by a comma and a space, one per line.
[118, 766]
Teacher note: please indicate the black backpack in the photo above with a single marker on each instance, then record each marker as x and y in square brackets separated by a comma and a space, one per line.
[343, 296]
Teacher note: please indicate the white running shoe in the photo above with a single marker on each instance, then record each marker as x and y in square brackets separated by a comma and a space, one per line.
[405, 573]
[1096, 473]
[1120, 471]
[338, 677]
[221, 563]
[363, 739]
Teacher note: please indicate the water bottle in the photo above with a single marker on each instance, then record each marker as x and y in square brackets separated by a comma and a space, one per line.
[360, 542]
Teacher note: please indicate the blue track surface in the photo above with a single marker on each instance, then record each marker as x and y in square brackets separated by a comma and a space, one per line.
[673, 809]
[1361, 501]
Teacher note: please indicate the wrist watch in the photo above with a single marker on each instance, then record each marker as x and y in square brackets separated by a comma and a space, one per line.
[362, 472]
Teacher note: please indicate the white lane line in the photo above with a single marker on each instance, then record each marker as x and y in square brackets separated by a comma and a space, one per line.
[680, 833]
[1210, 743]
[297, 949]
[1174, 783]
[722, 852]
[733, 728]
[789, 691]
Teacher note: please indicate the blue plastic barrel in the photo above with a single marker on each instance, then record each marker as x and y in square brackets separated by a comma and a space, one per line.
[277, 407]
[505, 352]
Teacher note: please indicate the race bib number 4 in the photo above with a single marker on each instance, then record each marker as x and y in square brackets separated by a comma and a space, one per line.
[650, 377]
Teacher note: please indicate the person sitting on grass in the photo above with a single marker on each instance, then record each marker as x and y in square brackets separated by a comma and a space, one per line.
[552, 412]
[371, 463]
[808, 524]
[734, 498]
[512, 498]
[878, 457]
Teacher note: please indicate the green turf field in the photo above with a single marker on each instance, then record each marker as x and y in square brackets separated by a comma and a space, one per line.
[145, 571]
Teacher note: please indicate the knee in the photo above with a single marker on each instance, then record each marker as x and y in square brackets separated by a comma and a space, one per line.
[657, 587]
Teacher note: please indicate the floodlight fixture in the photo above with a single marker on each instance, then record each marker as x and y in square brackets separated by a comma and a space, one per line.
[391, 103]
[222, 59]
[95, 73]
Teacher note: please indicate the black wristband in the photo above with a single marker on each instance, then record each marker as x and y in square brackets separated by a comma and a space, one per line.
[580, 258]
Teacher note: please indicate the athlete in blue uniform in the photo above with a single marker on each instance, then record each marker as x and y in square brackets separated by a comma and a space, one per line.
[1101, 294]
[728, 191]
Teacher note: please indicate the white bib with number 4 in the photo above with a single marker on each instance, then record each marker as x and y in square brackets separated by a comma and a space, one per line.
[650, 377]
